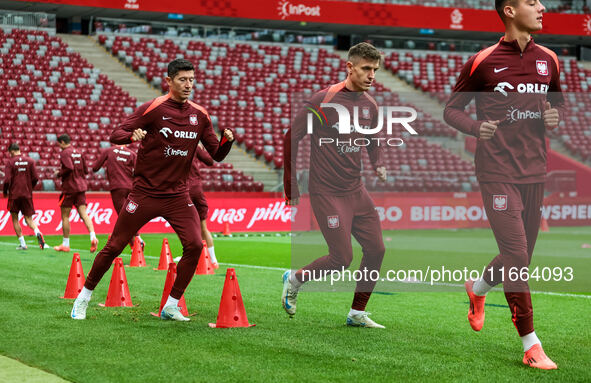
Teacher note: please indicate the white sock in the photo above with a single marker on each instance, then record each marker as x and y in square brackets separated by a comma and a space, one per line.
[140, 238]
[294, 281]
[171, 302]
[530, 340]
[21, 239]
[92, 235]
[85, 294]
[37, 231]
[481, 287]
[212, 255]
[355, 312]
[66, 242]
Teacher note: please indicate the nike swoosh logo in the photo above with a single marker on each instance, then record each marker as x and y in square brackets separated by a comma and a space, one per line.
[500, 70]
[166, 118]
[190, 205]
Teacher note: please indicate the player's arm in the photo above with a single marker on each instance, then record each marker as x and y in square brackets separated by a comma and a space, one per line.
[455, 110]
[67, 165]
[375, 152]
[34, 175]
[217, 149]
[554, 109]
[291, 141]
[134, 127]
[7, 179]
[100, 161]
[203, 156]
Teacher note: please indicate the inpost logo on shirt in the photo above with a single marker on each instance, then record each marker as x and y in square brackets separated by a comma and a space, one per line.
[514, 115]
[171, 152]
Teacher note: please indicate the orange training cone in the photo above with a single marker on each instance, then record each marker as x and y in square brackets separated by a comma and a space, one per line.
[118, 294]
[204, 267]
[137, 254]
[75, 279]
[544, 225]
[226, 229]
[165, 256]
[170, 277]
[231, 312]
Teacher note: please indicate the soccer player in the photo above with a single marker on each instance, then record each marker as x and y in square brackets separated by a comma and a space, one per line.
[341, 204]
[169, 128]
[119, 162]
[515, 74]
[20, 179]
[73, 174]
[198, 198]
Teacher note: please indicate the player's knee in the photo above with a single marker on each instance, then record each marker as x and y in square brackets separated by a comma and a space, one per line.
[193, 249]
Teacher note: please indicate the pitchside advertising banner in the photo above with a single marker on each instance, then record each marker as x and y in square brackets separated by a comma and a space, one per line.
[345, 12]
[268, 212]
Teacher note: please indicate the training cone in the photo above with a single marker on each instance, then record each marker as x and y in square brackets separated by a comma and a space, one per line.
[204, 267]
[137, 254]
[75, 279]
[544, 225]
[231, 312]
[165, 256]
[226, 229]
[118, 294]
[170, 277]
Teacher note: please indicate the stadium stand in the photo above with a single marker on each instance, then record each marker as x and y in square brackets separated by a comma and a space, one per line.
[436, 74]
[249, 86]
[48, 89]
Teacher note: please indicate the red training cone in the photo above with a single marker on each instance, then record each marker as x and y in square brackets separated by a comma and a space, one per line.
[204, 266]
[544, 225]
[170, 278]
[118, 294]
[165, 256]
[226, 229]
[137, 254]
[75, 279]
[231, 312]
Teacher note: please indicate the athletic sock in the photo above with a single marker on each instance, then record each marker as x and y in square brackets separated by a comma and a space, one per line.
[171, 302]
[355, 312]
[530, 340]
[212, 255]
[92, 235]
[294, 281]
[66, 242]
[21, 239]
[85, 294]
[37, 231]
[481, 287]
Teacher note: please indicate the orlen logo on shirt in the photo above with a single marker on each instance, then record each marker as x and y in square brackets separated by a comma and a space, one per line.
[522, 88]
[286, 9]
[515, 115]
[171, 152]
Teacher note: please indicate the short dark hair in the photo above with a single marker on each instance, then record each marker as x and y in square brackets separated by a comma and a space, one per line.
[500, 5]
[64, 138]
[175, 66]
[13, 147]
[364, 51]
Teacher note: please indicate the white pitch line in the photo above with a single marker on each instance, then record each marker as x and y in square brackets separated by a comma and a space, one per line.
[283, 269]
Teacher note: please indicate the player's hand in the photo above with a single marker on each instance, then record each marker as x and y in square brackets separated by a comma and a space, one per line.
[138, 135]
[382, 173]
[293, 201]
[56, 173]
[487, 129]
[229, 135]
[550, 116]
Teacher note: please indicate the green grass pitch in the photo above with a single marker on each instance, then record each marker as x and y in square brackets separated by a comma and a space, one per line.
[427, 336]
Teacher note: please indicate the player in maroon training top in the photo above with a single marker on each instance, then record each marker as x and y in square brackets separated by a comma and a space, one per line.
[198, 198]
[169, 128]
[341, 204]
[119, 161]
[19, 180]
[73, 175]
[516, 84]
